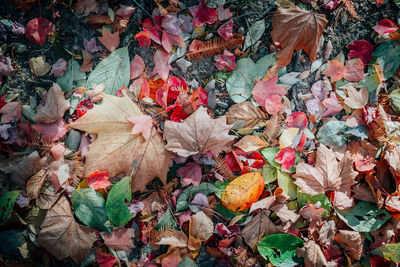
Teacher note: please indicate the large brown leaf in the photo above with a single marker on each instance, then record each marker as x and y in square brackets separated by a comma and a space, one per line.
[116, 149]
[55, 106]
[197, 134]
[296, 29]
[247, 113]
[328, 173]
[312, 254]
[62, 236]
[352, 242]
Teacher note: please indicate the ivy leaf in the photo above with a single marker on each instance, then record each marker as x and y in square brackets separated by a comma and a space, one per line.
[73, 77]
[116, 207]
[364, 217]
[113, 71]
[280, 249]
[89, 207]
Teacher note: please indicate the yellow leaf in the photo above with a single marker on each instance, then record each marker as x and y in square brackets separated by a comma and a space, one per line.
[243, 191]
[287, 137]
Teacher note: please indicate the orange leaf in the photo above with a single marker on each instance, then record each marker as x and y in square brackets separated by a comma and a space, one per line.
[335, 70]
[109, 40]
[243, 191]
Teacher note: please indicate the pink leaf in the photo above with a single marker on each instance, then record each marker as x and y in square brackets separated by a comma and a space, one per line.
[332, 105]
[335, 70]
[342, 200]
[105, 260]
[137, 67]
[172, 24]
[168, 40]
[354, 70]
[10, 111]
[223, 14]
[143, 38]
[286, 157]
[273, 104]
[360, 49]
[264, 89]
[385, 26]
[120, 239]
[84, 145]
[297, 119]
[153, 30]
[98, 180]
[37, 30]
[109, 40]
[225, 31]
[87, 63]
[226, 61]
[59, 67]
[202, 14]
[143, 125]
[51, 131]
[125, 12]
[190, 173]
[91, 46]
[161, 67]
[57, 151]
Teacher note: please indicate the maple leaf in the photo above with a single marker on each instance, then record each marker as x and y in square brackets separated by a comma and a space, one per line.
[328, 173]
[55, 106]
[59, 67]
[168, 40]
[127, 153]
[62, 236]
[137, 67]
[356, 99]
[197, 134]
[352, 72]
[225, 31]
[226, 61]
[120, 239]
[143, 38]
[264, 89]
[109, 40]
[202, 14]
[10, 111]
[143, 125]
[296, 29]
[162, 66]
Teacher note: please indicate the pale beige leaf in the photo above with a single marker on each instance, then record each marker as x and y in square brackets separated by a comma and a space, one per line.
[356, 99]
[174, 238]
[246, 112]
[312, 254]
[197, 134]
[201, 226]
[34, 184]
[250, 143]
[55, 106]
[257, 228]
[39, 66]
[393, 158]
[47, 199]
[264, 203]
[10, 111]
[62, 236]
[328, 173]
[116, 149]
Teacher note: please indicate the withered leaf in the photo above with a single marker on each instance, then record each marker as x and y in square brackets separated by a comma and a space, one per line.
[257, 228]
[197, 134]
[62, 236]
[120, 239]
[174, 238]
[246, 112]
[55, 106]
[201, 226]
[127, 153]
[312, 254]
[352, 242]
[296, 29]
[34, 184]
[328, 173]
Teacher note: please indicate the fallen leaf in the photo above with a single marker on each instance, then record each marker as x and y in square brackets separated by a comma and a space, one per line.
[197, 134]
[35, 183]
[85, 7]
[51, 132]
[328, 173]
[142, 125]
[106, 260]
[62, 236]
[55, 106]
[297, 29]
[243, 191]
[356, 99]
[286, 157]
[128, 153]
[175, 239]
[335, 70]
[225, 31]
[10, 111]
[385, 26]
[312, 254]
[273, 104]
[109, 40]
[37, 30]
[360, 49]
[87, 63]
[120, 239]
[225, 62]
[168, 40]
[352, 242]
[59, 67]
[201, 226]
[354, 70]
[246, 112]
[262, 90]
[190, 173]
[91, 46]
[162, 66]
[39, 66]
[98, 180]
[137, 67]
[203, 14]
[250, 143]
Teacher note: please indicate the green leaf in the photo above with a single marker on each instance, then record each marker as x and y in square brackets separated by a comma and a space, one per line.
[116, 208]
[72, 77]
[285, 181]
[187, 262]
[89, 207]
[280, 249]
[166, 221]
[254, 33]
[245, 74]
[390, 252]
[269, 173]
[364, 217]
[14, 240]
[230, 214]
[394, 96]
[191, 191]
[114, 71]
[332, 133]
[221, 187]
[304, 199]
[388, 57]
[7, 202]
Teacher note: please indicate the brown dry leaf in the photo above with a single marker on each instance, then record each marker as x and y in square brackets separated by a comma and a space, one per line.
[352, 242]
[285, 214]
[312, 254]
[174, 238]
[197, 134]
[356, 99]
[257, 228]
[246, 112]
[47, 199]
[10, 111]
[39, 66]
[393, 158]
[327, 232]
[55, 106]
[250, 143]
[62, 236]
[201, 226]
[120, 239]
[34, 184]
[328, 173]
[296, 29]
[109, 40]
[127, 153]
